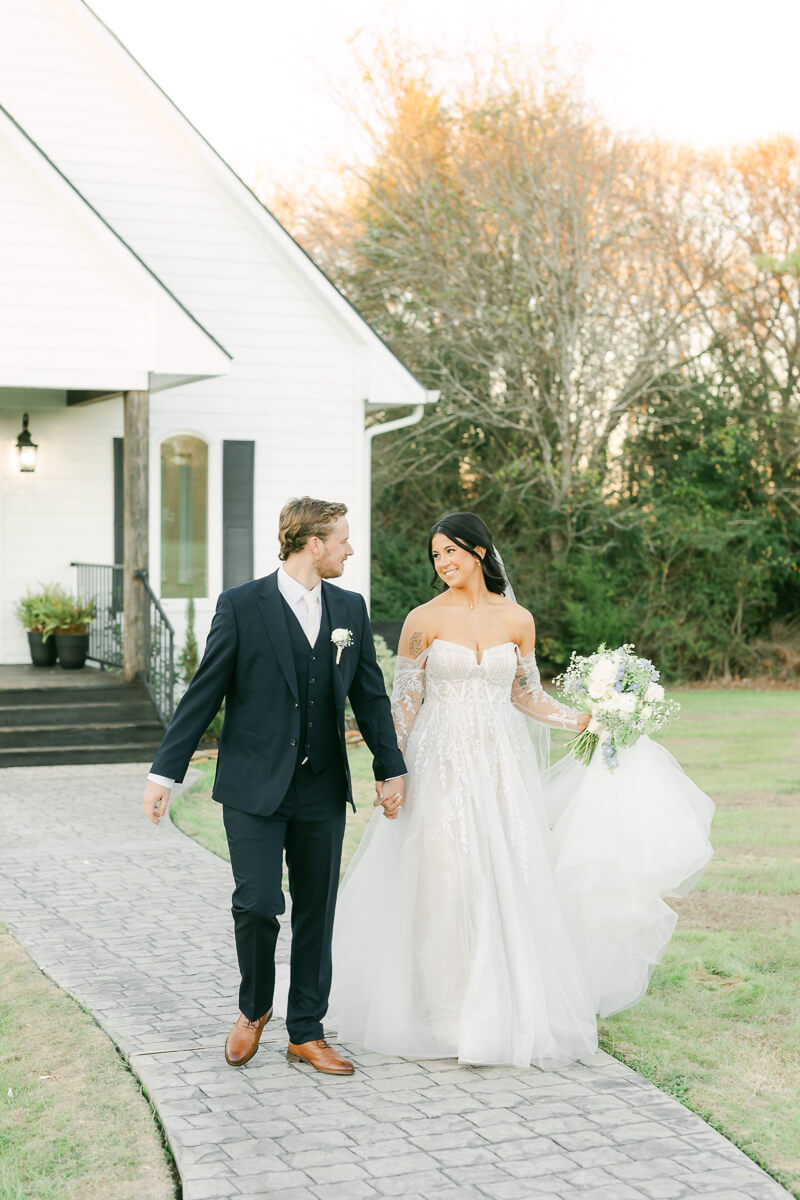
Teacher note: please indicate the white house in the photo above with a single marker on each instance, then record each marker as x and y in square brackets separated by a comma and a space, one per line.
[139, 275]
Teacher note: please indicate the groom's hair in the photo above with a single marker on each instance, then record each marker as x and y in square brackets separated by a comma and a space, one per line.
[303, 518]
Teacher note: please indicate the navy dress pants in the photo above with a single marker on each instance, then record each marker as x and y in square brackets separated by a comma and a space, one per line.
[309, 828]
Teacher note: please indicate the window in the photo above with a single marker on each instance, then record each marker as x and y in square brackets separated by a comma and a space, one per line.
[184, 516]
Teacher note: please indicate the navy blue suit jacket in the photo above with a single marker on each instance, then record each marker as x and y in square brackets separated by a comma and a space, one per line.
[248, 662]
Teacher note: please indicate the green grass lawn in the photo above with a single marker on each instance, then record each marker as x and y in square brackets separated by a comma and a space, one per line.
[74, 1124]
[720, 1025]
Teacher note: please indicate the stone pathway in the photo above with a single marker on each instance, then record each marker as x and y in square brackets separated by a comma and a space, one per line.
[135, 923]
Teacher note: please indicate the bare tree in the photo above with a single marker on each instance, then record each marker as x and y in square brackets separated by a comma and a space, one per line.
[740, 255]
[512, 249]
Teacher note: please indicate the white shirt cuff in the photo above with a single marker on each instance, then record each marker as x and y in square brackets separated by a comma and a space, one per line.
[162, 779]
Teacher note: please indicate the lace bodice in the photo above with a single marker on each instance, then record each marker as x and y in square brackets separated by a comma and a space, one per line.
[450, 673]
[454, 673]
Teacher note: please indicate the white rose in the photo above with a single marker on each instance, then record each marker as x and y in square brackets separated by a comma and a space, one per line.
[601, 678]
[646, 711]
[627, 702]
[654, 692]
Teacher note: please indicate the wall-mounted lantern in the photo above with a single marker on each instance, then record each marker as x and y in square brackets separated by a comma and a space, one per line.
[26, 448]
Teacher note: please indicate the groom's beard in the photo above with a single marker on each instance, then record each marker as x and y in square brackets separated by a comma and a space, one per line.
[332, 570]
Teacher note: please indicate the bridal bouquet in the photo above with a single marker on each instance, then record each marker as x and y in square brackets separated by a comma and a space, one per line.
[623, 695]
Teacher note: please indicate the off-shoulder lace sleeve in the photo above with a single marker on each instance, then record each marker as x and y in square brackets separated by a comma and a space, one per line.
[528, 695]
[408, 693]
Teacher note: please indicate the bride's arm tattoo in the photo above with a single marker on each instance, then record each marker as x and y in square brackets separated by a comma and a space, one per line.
[415, 645]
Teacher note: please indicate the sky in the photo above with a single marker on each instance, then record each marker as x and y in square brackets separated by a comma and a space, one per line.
[260, 78]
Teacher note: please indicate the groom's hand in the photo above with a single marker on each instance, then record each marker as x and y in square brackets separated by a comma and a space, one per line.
[391, 796]
[155, 800]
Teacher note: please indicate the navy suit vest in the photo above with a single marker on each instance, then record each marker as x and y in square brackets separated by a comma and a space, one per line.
[319, 735]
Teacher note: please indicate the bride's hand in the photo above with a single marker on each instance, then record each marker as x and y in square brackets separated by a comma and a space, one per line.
[391, 796]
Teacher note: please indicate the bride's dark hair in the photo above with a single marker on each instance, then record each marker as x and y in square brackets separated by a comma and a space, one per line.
[468, 531]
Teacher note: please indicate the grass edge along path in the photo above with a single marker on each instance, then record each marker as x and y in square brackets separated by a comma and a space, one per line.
[75, 1123]
[719, 1028]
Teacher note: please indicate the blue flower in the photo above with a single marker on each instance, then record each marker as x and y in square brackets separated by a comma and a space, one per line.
[610, 755]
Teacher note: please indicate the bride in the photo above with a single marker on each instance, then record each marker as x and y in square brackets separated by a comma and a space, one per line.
[494, 915]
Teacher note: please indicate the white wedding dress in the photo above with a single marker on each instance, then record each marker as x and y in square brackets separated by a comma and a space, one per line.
[506, 906]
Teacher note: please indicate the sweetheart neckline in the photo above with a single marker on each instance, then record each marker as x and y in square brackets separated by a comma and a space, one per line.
[473, 651]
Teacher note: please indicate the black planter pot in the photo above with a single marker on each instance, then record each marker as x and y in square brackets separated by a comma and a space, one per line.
[72, 649]
[43, 654]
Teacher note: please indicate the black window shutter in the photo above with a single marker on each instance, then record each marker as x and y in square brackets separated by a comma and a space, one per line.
[237, 512]
[119, 502]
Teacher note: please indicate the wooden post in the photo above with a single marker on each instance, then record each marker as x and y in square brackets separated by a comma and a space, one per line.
[136, 519]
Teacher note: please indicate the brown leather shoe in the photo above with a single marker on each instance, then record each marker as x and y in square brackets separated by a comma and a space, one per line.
[320, 1055]
[242, 1041]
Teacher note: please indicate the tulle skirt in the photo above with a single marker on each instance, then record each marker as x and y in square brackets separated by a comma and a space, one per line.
[622, 841]
[504, 909]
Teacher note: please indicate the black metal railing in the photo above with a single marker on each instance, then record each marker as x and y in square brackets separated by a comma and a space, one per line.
[159, 654]
[104, 584]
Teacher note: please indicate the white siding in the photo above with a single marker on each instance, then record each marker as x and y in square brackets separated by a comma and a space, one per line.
[61, 512]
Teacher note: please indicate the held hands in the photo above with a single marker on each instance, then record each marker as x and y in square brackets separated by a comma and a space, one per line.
[391, 796]
[155, 801]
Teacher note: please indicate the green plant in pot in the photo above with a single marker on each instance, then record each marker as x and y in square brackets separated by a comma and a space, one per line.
[31, 612]
[67, 620]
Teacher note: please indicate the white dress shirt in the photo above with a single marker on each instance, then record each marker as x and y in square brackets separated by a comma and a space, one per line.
[306, 606]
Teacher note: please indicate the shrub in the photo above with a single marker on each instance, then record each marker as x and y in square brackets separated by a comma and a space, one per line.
[188, 658]
[188, 662]
[63, 613]
[31, 608]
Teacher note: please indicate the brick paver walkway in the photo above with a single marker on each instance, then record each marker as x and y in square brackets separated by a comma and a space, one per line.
[135, 923]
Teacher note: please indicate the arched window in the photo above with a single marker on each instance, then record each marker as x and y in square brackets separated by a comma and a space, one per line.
[184, 516]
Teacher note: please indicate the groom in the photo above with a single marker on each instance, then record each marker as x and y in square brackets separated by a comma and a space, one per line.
[284, 653]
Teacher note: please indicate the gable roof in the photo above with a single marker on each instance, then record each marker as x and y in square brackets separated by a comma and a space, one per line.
[382, 356]
[104, 320]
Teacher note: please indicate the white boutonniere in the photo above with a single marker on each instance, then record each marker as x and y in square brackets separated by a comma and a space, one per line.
[341, 638]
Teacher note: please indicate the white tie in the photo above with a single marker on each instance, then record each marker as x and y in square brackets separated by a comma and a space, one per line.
[313, 616]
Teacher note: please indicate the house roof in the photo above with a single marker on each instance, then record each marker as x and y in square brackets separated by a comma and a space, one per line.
[382, 357]
[81, 310]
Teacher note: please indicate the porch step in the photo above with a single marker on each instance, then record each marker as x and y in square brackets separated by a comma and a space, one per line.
[61, 724]
[58, 756]
[98, 693]
[48, 715]
[21, 737]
